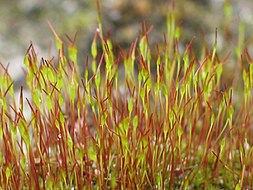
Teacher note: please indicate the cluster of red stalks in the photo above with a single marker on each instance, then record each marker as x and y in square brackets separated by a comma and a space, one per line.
[164, 123]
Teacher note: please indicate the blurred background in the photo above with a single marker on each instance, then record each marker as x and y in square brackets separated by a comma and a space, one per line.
[25, 21]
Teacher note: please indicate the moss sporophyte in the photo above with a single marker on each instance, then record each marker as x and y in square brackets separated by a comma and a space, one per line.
[145, 118]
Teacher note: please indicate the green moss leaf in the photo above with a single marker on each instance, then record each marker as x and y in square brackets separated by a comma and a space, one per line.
[94, 49]
[36, 98]
[72, 50]
[69, 141]
[49, 103]
[92, 155]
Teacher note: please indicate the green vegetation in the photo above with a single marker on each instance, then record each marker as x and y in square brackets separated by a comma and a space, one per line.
[167, 122]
